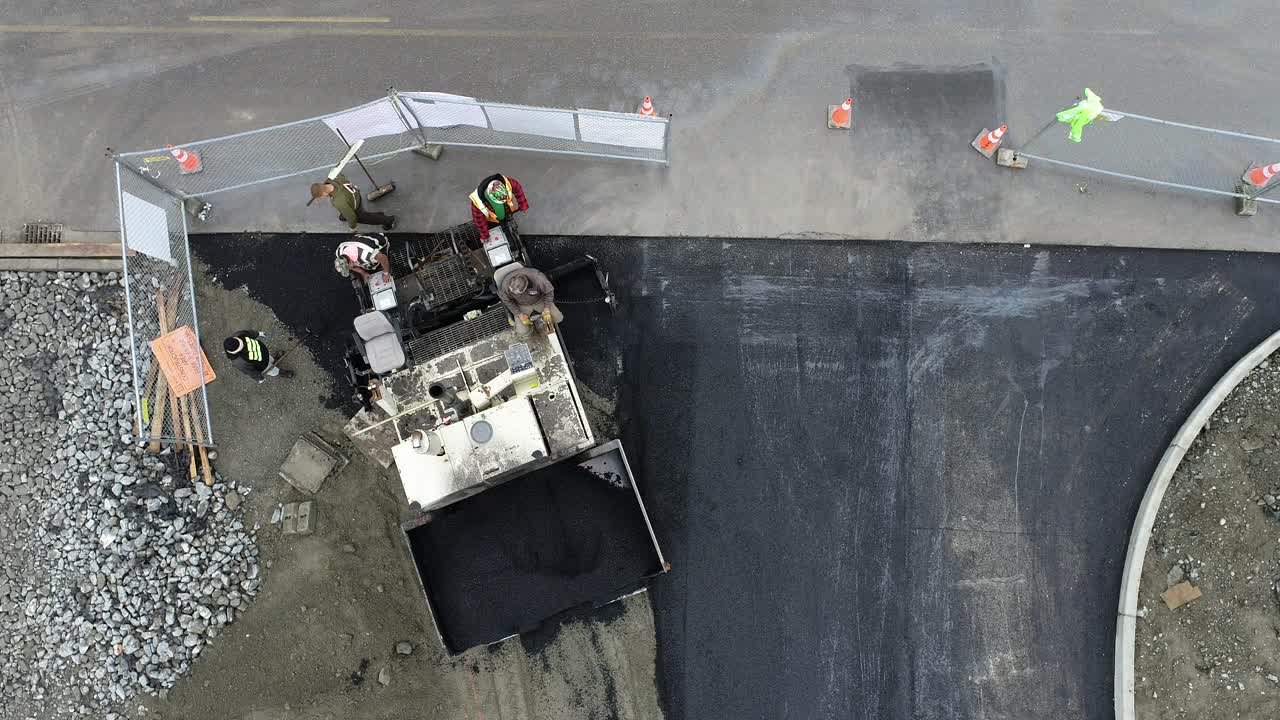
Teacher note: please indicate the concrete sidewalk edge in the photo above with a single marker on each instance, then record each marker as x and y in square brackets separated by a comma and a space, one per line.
[1127, 619]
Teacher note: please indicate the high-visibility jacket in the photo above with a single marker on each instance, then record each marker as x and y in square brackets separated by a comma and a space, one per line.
[254, 357]
[1081, 114]
[482, 204]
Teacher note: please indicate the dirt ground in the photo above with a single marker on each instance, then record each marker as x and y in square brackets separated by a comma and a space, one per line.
[336, 603]
[1218, 657]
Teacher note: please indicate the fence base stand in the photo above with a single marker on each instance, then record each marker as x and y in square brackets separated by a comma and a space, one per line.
[1009, 158]
[1246, 205]
[197, 208]
[431, 151]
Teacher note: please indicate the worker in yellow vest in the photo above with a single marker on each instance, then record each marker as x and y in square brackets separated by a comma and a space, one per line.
[494, 201]
[250, 355]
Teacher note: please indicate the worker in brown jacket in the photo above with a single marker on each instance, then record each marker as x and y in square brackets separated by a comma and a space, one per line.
[528, 292]
[346, 199]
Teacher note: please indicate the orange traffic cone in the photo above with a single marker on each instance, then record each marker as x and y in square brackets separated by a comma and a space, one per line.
[646, 107]
[1258, 177]
[188, 162]
[840, 116]
[988, 142]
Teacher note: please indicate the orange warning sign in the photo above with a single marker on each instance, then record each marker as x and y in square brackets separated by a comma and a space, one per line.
[181, 360]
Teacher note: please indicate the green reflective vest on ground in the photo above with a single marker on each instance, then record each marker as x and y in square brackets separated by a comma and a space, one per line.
[1081, 114]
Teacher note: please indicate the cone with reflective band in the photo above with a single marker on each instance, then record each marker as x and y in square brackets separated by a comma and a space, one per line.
[646, 107]
[1258, 177]
[840, 116]
[188, 162]
[988, 141]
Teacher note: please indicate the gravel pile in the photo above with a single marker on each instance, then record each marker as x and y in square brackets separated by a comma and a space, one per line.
[115, 571]
[1218, 656]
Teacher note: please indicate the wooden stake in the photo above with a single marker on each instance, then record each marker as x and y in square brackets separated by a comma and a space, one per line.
[204, 451]
[157, 414]
[180, 420]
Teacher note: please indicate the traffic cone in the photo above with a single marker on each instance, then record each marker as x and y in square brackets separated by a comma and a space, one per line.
[988, 142]
[646, 107]
[1258, 177]
[840, 116]
[188, 161]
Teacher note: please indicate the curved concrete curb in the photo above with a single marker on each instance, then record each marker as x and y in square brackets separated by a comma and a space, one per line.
[1127, 622]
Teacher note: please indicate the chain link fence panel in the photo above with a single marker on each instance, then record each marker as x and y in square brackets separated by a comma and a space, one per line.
[1160, 152]
[399, 123]
[160, 300]
[466, 122]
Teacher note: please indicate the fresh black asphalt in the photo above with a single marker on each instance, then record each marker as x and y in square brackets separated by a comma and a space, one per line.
[893, 480]
[500, 562]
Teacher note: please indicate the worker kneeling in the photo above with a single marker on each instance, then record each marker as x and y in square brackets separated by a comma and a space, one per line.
[363, 254]
[529, 294]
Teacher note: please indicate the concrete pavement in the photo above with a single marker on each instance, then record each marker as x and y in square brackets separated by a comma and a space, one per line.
[747, 86]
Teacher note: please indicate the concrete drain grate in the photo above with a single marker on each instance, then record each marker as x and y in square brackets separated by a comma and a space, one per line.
[42, 233]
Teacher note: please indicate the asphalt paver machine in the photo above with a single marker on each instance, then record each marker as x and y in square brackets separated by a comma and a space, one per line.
[517, 511]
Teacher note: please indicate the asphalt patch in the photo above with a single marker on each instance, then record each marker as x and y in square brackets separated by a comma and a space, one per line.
[921, 119]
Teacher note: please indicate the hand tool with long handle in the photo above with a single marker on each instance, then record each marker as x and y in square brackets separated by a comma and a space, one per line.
[379, 190]
[351, 152]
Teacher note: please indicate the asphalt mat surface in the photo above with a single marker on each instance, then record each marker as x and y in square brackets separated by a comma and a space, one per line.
[893, 480]
[502, 562]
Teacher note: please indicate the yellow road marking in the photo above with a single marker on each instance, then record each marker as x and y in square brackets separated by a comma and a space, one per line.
[329, 19]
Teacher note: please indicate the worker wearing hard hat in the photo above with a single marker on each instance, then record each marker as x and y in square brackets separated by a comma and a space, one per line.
[495, 201]
[363, 255]
[528, 293]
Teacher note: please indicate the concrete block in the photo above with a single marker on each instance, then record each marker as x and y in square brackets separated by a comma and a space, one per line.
[309, 462]
[1006, 157]
[430, 151]
[977, 145]
[197, 208]
[1246, 205]
[297, 518]
[289, 518]
[304, 518]
[845, 126]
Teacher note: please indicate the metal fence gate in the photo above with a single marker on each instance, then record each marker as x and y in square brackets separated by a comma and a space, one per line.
[156, 193]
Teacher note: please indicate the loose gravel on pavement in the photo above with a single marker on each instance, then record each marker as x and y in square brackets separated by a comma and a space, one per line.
[115, 570]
